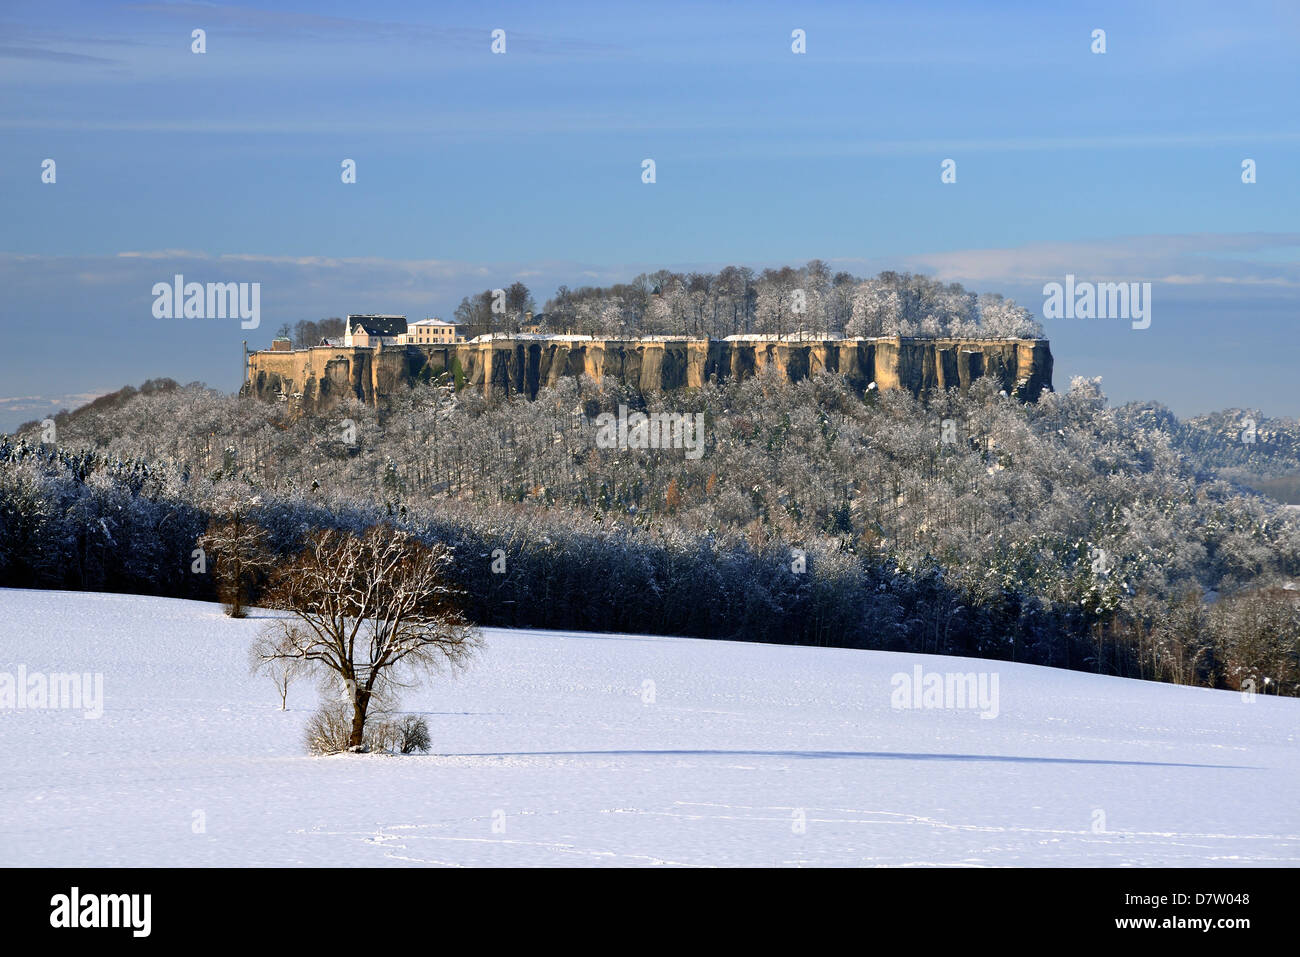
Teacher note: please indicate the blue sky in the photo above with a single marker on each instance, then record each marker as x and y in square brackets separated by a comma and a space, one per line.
[475, 169]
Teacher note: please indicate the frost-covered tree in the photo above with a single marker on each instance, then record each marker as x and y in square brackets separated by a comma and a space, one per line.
[1002, 318]
[374, 610]
[1062, 532]
[876, 310]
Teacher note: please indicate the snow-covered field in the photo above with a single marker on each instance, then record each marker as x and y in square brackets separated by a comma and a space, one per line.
[556, 750]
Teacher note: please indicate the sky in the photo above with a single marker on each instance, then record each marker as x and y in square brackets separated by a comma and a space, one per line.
[474, 169]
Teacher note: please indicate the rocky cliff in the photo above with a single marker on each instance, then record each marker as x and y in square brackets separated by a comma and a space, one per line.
[319, 378]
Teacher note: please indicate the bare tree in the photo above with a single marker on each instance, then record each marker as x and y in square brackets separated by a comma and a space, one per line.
[374, 611]
[305, 334]
[263, 658]
[518, 302]
[475, 314]
[239, 546]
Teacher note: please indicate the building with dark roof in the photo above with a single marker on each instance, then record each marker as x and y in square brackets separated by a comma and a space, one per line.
[363, 331]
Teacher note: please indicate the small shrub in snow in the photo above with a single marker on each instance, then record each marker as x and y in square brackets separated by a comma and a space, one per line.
[381, 735]
[329, 728]
[413, 734]
[407, 734]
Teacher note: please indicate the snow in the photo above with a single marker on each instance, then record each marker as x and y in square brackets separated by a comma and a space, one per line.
[551, 752]
[510, 336]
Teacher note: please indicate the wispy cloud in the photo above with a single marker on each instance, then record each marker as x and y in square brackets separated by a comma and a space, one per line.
[55, 56]
[1207, 260]
[1261, 260]
[15, 410]
[297, 26]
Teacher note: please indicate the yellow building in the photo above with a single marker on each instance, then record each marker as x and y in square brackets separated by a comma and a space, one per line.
[432, 332]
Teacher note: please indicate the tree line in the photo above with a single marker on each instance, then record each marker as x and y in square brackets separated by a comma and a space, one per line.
[737, 300]
[1065, 532]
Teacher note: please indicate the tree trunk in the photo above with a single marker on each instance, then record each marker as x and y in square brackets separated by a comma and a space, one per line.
[357, 738]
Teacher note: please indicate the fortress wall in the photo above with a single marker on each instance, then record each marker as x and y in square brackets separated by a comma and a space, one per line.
[321, 377]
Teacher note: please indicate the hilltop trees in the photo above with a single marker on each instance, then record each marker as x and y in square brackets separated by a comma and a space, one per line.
[519, 303]
[475, 314]
[488, 312]
[789, 300]
[875, 308]
[1003, 318]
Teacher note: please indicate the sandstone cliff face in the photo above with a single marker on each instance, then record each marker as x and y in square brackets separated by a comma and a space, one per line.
[318, 379]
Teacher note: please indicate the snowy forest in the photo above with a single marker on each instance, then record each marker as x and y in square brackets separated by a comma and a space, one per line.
[1064, 532]
[738, 300]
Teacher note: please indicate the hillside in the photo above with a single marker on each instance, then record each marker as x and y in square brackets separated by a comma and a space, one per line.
[550, 735]
[1061, 532]
[1243, 446]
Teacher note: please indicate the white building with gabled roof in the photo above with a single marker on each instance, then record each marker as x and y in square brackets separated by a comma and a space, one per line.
[372, 331]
